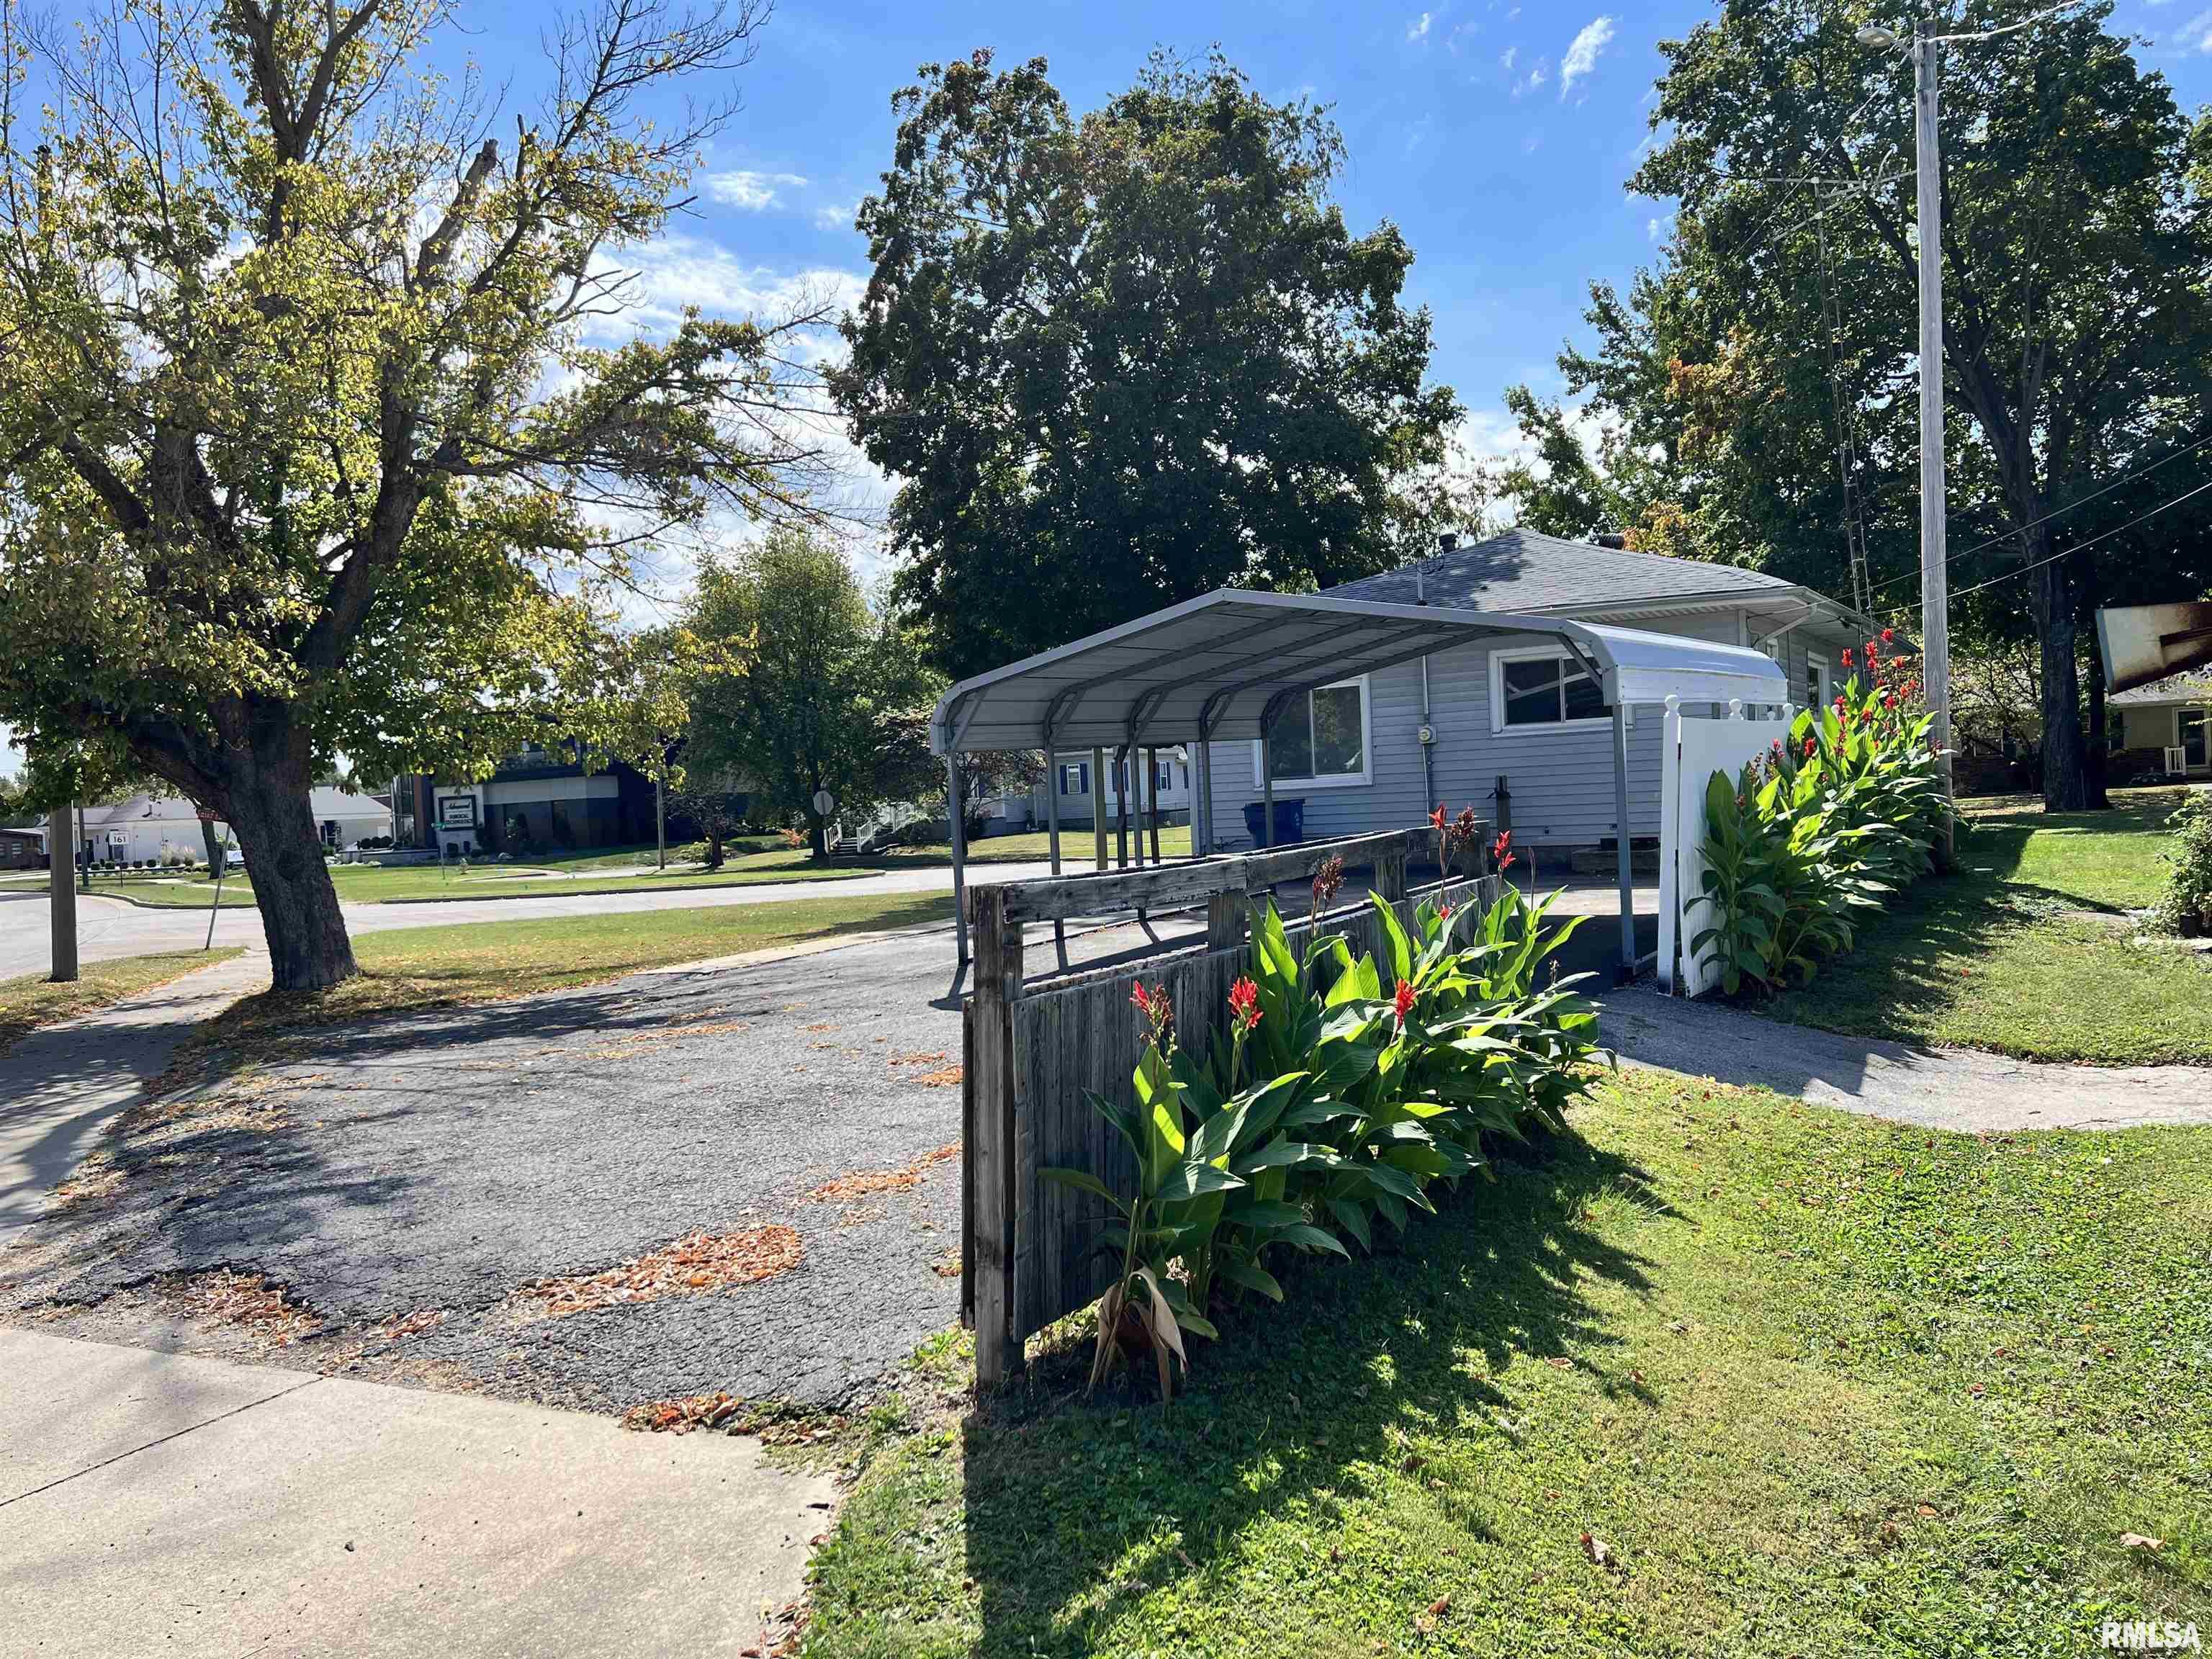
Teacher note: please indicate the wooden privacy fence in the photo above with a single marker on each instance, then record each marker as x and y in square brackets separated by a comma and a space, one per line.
[1034, 1051]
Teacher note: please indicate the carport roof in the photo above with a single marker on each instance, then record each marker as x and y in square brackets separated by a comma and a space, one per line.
[1222, 666]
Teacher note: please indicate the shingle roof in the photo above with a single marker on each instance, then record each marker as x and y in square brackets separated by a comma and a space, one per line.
[2174, 688]
[1521, 570]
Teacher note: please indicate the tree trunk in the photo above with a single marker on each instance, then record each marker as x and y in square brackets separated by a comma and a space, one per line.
[2099, 757]
[2065, 760]
[214, 847]
[268, 805]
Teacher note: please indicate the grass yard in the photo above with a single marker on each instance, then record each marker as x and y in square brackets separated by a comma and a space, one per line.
[413, 968]
[1077, 849]
[367, 883]
[1817, 1384]
[2027, 951]
[27, 1003]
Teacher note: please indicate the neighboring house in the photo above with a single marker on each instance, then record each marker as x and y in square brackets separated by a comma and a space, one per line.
[1515, 728]
[1074, 775]
[148, 828]
[2164, 727]
[539, 800]
[22, 849]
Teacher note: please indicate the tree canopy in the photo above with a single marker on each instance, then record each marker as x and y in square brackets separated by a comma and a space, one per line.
[315, 433]
[803, 704]
[2076, 257]
[1120, 361]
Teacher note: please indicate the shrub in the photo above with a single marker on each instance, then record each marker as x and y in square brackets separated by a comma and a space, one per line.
[1322, 1105]
[2188, 897]
[1843, 811]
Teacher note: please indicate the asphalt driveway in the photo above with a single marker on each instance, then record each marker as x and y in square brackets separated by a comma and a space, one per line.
[411, 1174]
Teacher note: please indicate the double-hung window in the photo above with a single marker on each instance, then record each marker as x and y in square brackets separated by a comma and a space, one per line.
[1075, 777]
[1321, 739]
[1539, 687]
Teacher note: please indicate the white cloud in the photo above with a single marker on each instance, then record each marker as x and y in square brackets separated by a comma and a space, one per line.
[2196, 35]
[1582, 56]
[1512, 55]
[1539, 72]
[832, 216]
[1658, 225]
[1419, 28]
[751, 191]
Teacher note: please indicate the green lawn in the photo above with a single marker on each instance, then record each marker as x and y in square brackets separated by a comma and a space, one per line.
[487, 961]
[1078, 847]
[1818, 1384]
[369, 884]
[31, 1001]
[2026, 950]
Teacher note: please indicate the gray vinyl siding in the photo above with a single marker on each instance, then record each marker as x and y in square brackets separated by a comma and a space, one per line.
[1561, 780]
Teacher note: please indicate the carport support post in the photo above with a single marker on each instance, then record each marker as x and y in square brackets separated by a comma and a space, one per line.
[1621, 840]
[1098, 807]
[958, 833]
[1052, 817]
[1267, 787]
[1152, 792]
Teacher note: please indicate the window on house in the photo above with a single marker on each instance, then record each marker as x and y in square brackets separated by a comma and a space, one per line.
[2191, 728]
[1816, 680]
[1163, 772]
[1546, 689]
[1075, 778]
[1322, 736]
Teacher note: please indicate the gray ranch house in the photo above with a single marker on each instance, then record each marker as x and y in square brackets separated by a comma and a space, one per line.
[2164, 728]
[1514, 727]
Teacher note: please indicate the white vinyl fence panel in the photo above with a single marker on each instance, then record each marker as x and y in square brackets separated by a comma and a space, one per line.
[1693, 751]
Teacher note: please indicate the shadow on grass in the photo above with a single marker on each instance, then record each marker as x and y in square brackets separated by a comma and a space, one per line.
[1299, 1408]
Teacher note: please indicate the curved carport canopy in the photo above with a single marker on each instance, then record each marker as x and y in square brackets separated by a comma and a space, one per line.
[1225, 666]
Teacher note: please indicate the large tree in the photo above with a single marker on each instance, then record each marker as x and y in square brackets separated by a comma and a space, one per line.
[1119, 361]
[308, 446]
[2076, 253]
[806, 673]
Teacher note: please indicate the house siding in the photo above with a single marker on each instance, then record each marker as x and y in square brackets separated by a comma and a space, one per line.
[1561, 781]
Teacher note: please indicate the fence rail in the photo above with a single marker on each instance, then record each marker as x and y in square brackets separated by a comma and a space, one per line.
[1034, 1052]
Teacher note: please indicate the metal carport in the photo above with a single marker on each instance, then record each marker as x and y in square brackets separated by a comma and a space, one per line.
[1225, 666]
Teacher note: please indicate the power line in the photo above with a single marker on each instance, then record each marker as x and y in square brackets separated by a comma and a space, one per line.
[2083, 547]
[2043, 15]
[2060, 511]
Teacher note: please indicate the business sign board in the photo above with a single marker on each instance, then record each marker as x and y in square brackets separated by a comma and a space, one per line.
[2142, 643]
[457, 812]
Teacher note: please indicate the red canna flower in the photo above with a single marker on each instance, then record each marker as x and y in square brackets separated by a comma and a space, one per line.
[1444, 911]
[1141, 999]
[1812, 743]
[1890, 702]
[1847, 656]
[1153, 1006]
[1501, 850]
[1436, 817]
[1888, 635]
[1404, 1001]
[1243, 1006]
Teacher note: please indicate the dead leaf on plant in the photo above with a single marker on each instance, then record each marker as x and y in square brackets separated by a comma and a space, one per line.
[2135, 1540]
[1599, 1553]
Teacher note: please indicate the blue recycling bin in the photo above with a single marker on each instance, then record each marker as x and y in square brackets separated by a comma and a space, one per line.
[1289, 821]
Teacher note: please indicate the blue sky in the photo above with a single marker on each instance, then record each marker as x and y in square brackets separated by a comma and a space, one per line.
[1496, 136]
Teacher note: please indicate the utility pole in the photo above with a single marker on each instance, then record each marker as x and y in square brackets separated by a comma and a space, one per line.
[1935, 576]
[61, 888]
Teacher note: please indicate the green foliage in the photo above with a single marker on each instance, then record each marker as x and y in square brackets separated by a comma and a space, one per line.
[807, 679]
[1122, 361]
[1843, 812]
[2067, 181]
[308, 445]
[1361, 1103]
[2188, 888]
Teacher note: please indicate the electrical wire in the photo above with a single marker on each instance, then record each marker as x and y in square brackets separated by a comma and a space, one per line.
[2057, 511]
[2083, 547]
[2043, 15]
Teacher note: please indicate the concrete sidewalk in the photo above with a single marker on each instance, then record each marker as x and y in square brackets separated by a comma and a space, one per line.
[1960, 1089]
[157, 1502]
[60, 1085]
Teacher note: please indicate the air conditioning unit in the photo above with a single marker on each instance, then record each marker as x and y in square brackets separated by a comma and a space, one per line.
[2176, 761]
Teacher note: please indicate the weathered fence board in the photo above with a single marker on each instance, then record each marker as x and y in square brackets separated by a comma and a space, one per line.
[1037, 1051]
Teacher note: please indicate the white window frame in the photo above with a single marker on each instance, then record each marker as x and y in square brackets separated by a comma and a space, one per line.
[1499, 657]
[1816, 662]
[1359, 780]
[1080, 771]
[2185, 717]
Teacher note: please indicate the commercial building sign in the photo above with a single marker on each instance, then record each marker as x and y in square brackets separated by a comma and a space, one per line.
[457, 812]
